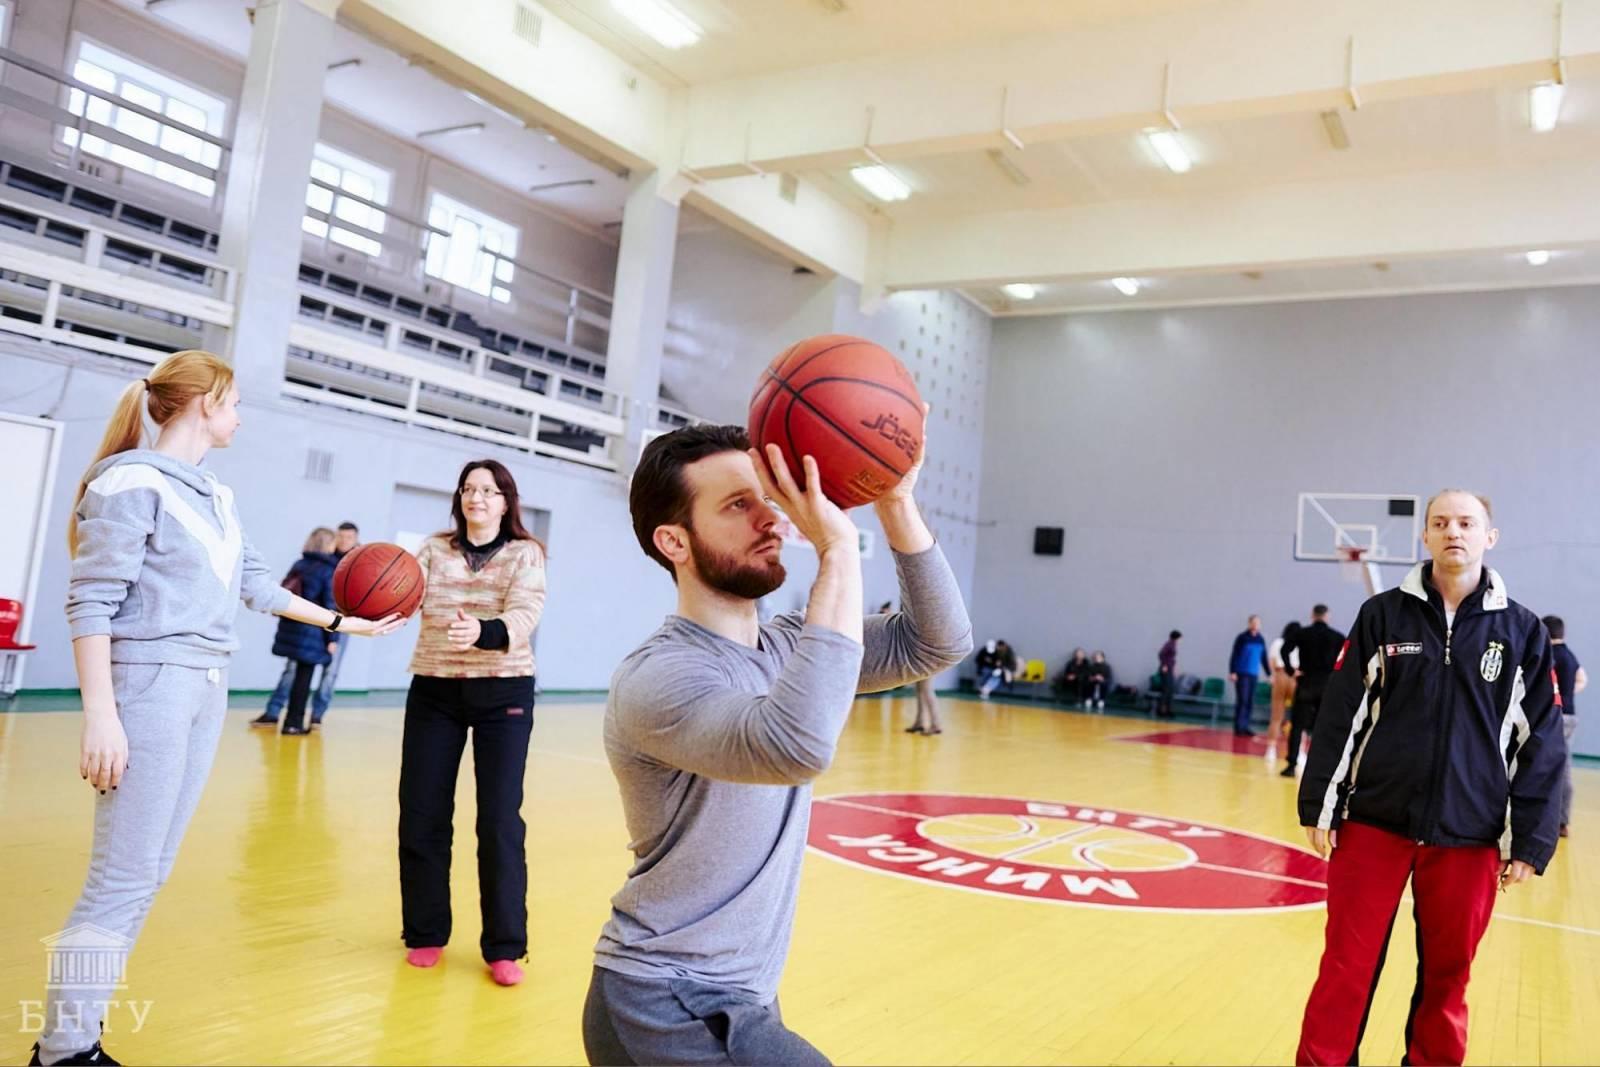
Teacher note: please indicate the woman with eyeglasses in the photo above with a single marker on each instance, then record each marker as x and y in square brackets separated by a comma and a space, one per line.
[472, 672]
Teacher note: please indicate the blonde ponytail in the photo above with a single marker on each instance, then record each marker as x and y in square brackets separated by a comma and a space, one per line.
[174, 382]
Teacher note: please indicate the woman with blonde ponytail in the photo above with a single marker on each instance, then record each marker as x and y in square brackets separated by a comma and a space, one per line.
[159, 564]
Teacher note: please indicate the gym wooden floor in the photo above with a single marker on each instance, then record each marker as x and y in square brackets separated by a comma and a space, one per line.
[277, 938]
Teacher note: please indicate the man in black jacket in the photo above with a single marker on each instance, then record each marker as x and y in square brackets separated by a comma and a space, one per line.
[1319, 645]
[1436, 759]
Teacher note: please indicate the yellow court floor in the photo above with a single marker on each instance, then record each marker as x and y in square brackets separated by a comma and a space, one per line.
[1028, 887]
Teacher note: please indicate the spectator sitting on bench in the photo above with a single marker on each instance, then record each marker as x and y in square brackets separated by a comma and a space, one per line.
[1100, 681]
[1072, 684]
[997, 665]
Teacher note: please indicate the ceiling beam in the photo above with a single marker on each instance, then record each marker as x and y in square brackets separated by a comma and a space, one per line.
[1550, 204]
[1202, 64]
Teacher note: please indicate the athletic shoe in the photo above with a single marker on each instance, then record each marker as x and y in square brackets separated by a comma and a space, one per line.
[1563, 830]
[1287, 772]
[96, 1055]
[264, 720]
[423, 957]
[295, 731]
[505, 972]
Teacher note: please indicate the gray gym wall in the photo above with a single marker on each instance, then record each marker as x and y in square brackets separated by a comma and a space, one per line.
[1171, 445]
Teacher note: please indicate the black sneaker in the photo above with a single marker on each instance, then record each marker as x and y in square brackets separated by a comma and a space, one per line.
[264, 720]
[96, 1056]
[1287, 772]
[295, 731]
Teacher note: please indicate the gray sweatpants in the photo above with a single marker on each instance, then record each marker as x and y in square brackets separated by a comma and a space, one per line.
[173, 717]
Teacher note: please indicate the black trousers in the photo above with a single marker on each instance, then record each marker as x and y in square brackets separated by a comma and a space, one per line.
[1303, 713]
[1169, 684]
[299, 692]
[440, 712]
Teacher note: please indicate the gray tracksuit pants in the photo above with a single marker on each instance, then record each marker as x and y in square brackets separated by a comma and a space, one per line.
[173, 718]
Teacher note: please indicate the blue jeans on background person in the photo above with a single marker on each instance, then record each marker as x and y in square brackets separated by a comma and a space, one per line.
[1244, 707]
[321, 697]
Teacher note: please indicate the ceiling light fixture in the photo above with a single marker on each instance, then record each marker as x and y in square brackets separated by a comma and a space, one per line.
[1020, 291]
[1333, 125]
[496, 108]
[1538, 258]
[881, 182]
[444, 131]
[1126, 286]
[1544, 105]
[551, 186]
[1168, 147]
[1008, 167]
[670, 27]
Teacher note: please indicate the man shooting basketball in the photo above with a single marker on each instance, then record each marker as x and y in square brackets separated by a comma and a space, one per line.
[717, 724]
[1437, 757]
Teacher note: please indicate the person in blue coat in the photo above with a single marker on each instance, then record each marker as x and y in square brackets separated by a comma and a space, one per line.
[1244, 667]
[307, 647]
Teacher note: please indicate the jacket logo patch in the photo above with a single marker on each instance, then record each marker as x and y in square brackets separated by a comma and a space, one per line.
[1405, 648]
[1489, 666]
[513, 711]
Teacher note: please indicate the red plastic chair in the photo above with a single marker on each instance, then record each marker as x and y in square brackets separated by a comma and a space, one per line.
[10, 623]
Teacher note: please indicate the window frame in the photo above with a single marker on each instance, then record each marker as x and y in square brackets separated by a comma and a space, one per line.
[494, 284]
[363, 234]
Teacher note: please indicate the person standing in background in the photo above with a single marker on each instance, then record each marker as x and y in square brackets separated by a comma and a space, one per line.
[1570, 681]
[345, 539]
[1283, 669]
[1167, 669]
[1318, 648]
[1244, 668]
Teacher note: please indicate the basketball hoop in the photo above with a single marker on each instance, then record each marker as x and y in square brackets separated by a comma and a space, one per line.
[1357, 569]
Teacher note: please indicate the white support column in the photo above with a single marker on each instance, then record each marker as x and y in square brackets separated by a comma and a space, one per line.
[279, 112]
[639, 310]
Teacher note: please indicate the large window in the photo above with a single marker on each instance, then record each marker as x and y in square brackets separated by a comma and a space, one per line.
[329, 166]
[463, 258]
[153, 91]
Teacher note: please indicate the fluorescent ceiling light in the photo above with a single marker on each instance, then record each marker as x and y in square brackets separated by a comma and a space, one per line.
[669, 26]
[1020, 291]
[1167, 146]
[442, 131]
[881, 182]
[1008, 167]
[1538, 258]
[1544, 104]
[496, 108]
[1126, 286]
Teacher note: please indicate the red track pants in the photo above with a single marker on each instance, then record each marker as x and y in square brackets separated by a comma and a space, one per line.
[1453, 892]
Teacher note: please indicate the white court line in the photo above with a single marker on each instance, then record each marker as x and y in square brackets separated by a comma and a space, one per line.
[1407, 898]
[1048, 841]
[922, 816]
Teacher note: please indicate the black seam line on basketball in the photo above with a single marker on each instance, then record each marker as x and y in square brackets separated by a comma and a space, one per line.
[914, 402]
[788, 432]
[796, 398]
[860, 384]
[375, 583]
[818, 355]
[759, 424]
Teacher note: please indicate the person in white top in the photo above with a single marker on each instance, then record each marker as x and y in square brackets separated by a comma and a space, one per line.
[1282, 687]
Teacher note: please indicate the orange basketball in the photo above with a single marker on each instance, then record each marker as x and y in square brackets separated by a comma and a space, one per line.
[847, 403]
[377, 580]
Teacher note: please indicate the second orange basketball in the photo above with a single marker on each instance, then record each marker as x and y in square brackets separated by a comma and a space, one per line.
[846, 402]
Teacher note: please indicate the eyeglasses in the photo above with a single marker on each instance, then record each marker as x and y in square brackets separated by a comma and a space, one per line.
[467, 492]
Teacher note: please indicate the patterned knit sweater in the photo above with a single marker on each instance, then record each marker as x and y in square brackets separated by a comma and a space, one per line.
[510, 587]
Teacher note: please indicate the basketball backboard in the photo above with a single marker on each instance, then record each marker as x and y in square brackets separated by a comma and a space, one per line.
[1387, 526]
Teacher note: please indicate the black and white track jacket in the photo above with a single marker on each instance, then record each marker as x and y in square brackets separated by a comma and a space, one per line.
[1449, 734]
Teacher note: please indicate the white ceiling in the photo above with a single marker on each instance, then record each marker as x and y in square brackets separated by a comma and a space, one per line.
[1491, 270]
[749, 37]
[388, 92]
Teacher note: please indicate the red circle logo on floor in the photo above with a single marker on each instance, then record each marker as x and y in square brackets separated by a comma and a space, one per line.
[1065, 853]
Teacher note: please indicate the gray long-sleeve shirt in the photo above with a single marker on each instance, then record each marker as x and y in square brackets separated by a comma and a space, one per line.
[714, 745]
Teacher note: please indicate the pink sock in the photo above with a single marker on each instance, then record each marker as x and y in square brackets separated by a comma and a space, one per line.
[505, 972]
[424, 957]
